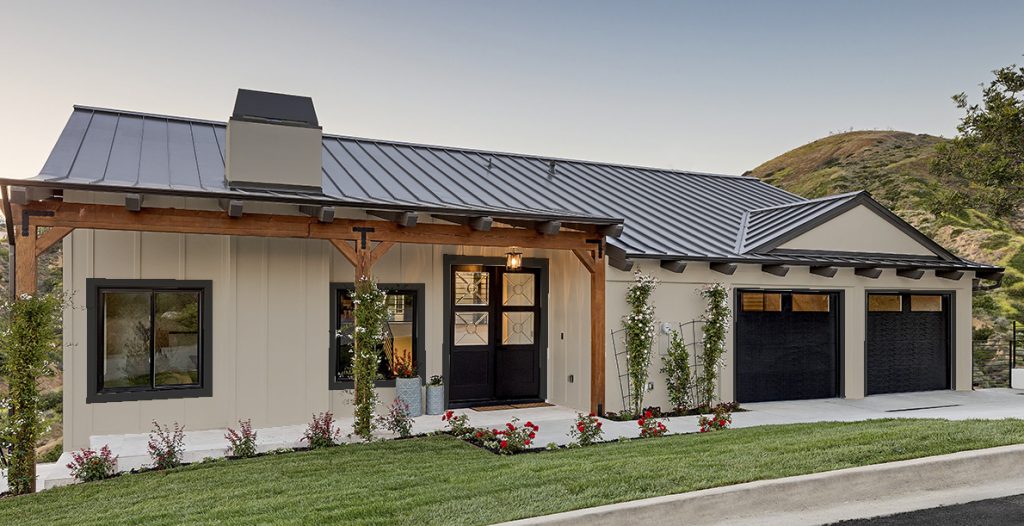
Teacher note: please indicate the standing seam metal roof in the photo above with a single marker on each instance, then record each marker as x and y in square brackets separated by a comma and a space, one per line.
[668, 213]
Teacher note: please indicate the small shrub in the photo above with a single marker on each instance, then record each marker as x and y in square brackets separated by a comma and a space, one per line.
[404, 369]
[458, 426]
[512, 439]
[586, 430]
[650, 426]
[87, 465]
[676, 367]
[321, 432]
[166, 445]
[552, 446]
[397, 419]
[720, 418]
[242, 443]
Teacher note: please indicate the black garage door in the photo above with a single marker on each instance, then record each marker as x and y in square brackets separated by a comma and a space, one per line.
[787, 345]
[907, 342]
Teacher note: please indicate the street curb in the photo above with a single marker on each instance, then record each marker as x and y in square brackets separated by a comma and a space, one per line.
[816, 492]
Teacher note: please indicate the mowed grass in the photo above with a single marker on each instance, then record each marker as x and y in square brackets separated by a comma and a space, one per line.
[441, 480]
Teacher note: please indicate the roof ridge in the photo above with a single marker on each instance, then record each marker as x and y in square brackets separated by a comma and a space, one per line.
[835, 197]
[689, 173]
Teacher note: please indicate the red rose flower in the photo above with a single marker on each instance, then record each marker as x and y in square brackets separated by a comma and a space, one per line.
[599, 424]
[526, 442]
[640, 422]
[529, 423]
[504, 444]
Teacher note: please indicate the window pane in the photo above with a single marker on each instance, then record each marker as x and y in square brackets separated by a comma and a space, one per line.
[517, 328]
[472, 288]
[885, 303]
[810, 303]
[176, 345]
[126, 339]
[761, 302]
[471, 328]
[926, 303]
[517, 289]
[398, 347]
[344, 336]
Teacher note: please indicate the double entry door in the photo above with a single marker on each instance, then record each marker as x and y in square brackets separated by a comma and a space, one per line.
[495, 333]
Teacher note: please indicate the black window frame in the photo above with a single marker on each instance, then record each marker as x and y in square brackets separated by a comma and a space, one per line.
[95, 355]
[418, 290]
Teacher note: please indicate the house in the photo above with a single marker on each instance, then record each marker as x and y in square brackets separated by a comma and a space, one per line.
[210, 265]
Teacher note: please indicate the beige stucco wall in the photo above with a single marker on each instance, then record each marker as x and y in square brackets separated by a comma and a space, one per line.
[858, 230]
[270, 321]
[677, 300]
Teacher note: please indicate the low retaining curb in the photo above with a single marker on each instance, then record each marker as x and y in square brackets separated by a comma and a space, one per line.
[806, 493]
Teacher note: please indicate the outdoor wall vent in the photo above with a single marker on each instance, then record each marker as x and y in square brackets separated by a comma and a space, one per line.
[273, 140]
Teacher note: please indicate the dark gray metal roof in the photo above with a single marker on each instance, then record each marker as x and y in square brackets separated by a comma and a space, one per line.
[668, 214]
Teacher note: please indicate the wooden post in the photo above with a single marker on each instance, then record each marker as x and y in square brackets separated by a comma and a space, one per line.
[25, 261]
[594, 261]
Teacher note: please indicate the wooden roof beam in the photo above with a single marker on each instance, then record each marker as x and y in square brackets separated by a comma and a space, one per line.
[949, 274]
[673, 265]
[775, 270]
[548, 228]
[323, 214]
[994, 275]
[23, 195]
[868, 272]
[233, 207]
[910, 273]
[824, 271]
[478, 223]
[724, 268]
[406, 219]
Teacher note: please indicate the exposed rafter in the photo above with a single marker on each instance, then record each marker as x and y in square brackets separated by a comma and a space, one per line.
[479, 223]
[868, 272]
[403, 219]
[133, 202]
[673, 265]
[323, 214]
[824, 271]
[548, 228]
[233, 207]
[775, 270]
[910, 273]
[994, 275]
[724, 268]
[22, 195]
[949, 274]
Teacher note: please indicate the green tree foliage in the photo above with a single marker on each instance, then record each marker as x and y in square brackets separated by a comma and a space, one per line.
[987, 155]
[676, 368]
[29, 341]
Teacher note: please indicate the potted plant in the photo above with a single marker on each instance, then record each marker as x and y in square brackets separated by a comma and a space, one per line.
[407, 386]
[435, 395]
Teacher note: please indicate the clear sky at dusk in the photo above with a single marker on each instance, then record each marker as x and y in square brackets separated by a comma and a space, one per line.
[711, 86]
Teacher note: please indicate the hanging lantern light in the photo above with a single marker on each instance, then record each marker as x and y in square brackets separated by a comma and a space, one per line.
[513, 259]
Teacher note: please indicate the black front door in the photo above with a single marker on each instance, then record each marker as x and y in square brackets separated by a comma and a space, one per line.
[495, 335]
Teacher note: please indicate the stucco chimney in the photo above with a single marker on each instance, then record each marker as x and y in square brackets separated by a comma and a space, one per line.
[273, 140]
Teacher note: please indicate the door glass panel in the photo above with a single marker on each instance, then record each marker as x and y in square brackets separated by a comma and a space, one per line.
[926, 303]
[761, 301]
[176, 345]
[126, 323]
[885, 303]
[517, 289]
[471, 328]
[810, 303]
[471, 288]
[517, 328]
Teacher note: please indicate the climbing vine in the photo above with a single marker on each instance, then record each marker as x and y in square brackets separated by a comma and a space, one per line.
[639, 336]
[370, 314]
[716, 319]
[29, 339]
[676, 368]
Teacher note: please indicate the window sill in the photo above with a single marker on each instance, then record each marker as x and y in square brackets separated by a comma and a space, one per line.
[151, 394]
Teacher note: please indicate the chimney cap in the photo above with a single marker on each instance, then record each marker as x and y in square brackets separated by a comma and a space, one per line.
[275, 108]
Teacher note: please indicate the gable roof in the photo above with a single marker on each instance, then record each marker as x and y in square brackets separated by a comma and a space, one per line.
[669, 214]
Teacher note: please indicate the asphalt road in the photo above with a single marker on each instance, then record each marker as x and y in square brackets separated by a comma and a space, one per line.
[1006, 510]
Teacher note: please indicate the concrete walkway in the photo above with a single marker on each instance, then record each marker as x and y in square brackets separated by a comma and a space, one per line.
[556, 421]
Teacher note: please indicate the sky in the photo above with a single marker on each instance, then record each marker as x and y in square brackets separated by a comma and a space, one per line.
[704, 86]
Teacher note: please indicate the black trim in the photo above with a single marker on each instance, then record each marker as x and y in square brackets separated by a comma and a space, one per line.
[419, 289]
[94, 330]
[451, 260]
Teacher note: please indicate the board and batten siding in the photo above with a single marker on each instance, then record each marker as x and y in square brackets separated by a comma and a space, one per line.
[271, 327]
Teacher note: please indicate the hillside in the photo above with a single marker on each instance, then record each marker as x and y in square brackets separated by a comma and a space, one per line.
[894, 167]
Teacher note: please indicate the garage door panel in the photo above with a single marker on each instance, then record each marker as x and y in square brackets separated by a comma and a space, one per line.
[787, 355]
[908, 350]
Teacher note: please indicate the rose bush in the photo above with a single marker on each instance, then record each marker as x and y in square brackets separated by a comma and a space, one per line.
[242, 443]
[321, 432]
[586, 430]
[651, 426]
[88, 465]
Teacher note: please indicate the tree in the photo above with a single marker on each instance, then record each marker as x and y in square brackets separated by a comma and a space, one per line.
[986, 157]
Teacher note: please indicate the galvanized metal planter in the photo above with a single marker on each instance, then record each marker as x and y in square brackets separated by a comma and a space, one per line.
[409, 391]
[435, 399]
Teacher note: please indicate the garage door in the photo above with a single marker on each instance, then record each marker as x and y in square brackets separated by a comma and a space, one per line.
[787, 345]
[907, 343]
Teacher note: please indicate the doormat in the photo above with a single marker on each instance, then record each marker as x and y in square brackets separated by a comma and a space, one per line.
[492, 408]
[512, 406]
[532, 404]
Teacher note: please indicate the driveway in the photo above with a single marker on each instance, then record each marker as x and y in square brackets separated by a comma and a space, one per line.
[991, 512]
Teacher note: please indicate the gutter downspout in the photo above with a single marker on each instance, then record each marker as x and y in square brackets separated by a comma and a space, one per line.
[11, 260]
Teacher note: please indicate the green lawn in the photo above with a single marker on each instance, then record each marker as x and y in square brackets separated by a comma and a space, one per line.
[440, 480]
